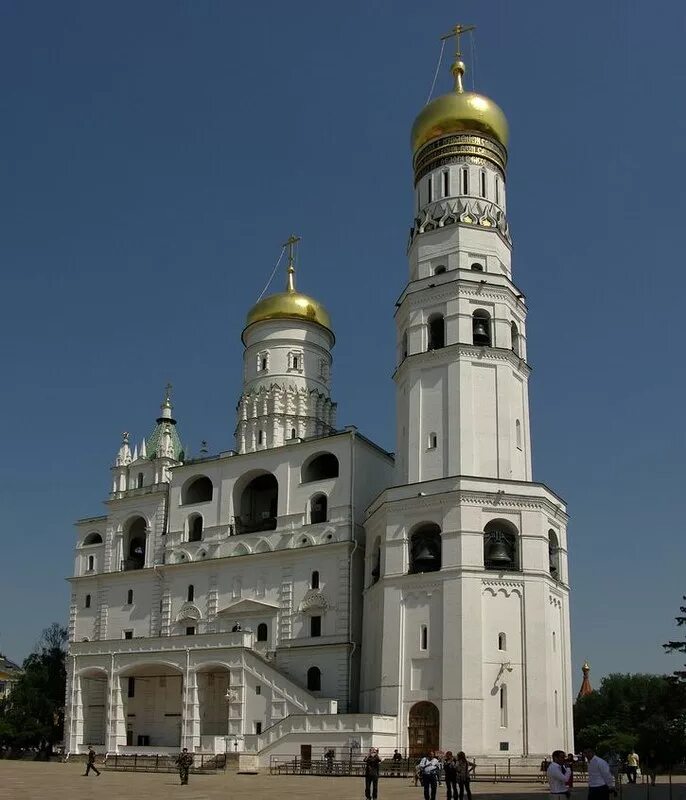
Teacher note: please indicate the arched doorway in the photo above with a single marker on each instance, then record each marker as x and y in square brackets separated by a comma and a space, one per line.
[423, 728]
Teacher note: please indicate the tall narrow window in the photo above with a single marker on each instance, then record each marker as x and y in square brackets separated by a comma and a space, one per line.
[87, 604]
[557, 710]
[497, 190]
[436, 329]
[554, 643]
[293, 434]
[131, 688]
[262, 633]
[191, 593]
[139, 481]
[258, 728]
[514, 335]
[314, 582]
[464, 175]
[518, 434]
[314, 679]
[315, 626]
[423, 637]
[129, 597]
[502, 641]
[403, 345]
[431, 188]
[91, 563]
[503, 706]
[446, 183]
[433, 441]
[260, 437]
[482, 183]
[263, 363]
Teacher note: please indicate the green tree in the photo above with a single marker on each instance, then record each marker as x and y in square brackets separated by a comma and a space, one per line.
[678, 647]
[647, 712]
[33, 714]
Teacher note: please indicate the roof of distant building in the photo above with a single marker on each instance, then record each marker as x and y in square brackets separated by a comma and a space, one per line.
[8, 666]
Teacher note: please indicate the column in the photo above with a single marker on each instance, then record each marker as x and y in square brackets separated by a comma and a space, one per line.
[191, 713]
[116, 718]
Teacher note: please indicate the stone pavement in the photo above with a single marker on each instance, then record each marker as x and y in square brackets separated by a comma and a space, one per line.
[25, 780]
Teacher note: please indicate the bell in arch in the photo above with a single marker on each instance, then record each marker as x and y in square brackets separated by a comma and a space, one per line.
[424, 559]
[499, 552]
[480, 331]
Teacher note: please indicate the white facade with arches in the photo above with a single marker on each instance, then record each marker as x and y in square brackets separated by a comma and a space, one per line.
[308, 588]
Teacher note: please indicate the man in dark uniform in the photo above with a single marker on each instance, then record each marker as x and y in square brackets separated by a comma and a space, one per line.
[185, 762]
[91, 762]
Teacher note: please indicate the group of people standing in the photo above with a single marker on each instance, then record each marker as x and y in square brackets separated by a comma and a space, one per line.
[456, 772]
[601, 777]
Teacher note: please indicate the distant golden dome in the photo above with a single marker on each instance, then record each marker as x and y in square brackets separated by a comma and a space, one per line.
[459, 112]
[289, 304]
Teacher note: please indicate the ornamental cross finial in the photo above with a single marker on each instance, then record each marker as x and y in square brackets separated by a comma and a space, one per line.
[290, 243]
[458, 65]
[167, 392]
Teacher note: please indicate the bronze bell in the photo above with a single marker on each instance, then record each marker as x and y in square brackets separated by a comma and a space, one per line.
[424, 558]
[480, 332]
[499, 552]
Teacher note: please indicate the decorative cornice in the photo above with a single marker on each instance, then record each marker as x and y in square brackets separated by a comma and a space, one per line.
[459, 148]
[472, 212]
[451, 352]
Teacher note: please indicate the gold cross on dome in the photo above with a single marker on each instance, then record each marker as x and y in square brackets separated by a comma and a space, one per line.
[290, 243]
[457, 31]
[167, 391]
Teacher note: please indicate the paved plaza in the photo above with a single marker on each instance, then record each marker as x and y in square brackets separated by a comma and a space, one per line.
[33, 781]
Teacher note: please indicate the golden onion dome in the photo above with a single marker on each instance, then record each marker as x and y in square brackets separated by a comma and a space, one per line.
[289, 305]
[459, 112]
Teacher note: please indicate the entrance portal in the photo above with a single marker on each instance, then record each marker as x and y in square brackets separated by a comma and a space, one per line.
[423, 729]
[152, 697]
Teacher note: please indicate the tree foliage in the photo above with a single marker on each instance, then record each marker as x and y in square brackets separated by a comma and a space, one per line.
[647, 712]
[678, 647]
[33, 713]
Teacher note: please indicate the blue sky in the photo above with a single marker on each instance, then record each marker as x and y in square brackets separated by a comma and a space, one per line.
[156, 154]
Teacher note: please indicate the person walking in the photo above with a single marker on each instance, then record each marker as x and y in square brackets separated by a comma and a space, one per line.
[450, 774]
[184, 763]
[650, 766]
[601, 782]
[632, 762]
[371, 774]
[464, 767]
[559, 776]
[428, 770]
[91, 763]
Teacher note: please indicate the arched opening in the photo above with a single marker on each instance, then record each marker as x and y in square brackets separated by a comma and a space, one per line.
[314, 679]
[476, 267]
[502, 641]
[436, 332]
[423, 729]
[514, 333]
[318, 509]
[500, 546]
[135, 540]
[481, 328]
[214, 700]
[376, 562]
[198, 490]
[92, 538]
[518, 434]
[553, 554]
[152, 700]
[93, 684]
[425, 549]
[258, 505]
[190, 594]
[262, 632]
[314, 580]
[139, 481]
[439, 270]
[195, 528]
[319, 468]
[91, 563]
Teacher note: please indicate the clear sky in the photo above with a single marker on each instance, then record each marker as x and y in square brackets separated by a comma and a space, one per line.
[154, 155]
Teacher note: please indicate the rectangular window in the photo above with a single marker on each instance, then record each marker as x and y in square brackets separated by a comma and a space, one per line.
[190, 630]
[446, 183]
[315, 626]
[258, 727]
[131, 689]
[483, 184]
[128, 634]
[465, 181]
[88, 601]
[258, 690]
[260, 437]
[423, 637]
[430, 185]
[497, 190]
[504, 745]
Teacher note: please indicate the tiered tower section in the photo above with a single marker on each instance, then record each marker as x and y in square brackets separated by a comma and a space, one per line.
[286, 370]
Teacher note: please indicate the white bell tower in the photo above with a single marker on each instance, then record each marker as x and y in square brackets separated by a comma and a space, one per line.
[466, 617]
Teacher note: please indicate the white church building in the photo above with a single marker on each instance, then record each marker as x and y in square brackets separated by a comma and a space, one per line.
[308, 589]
